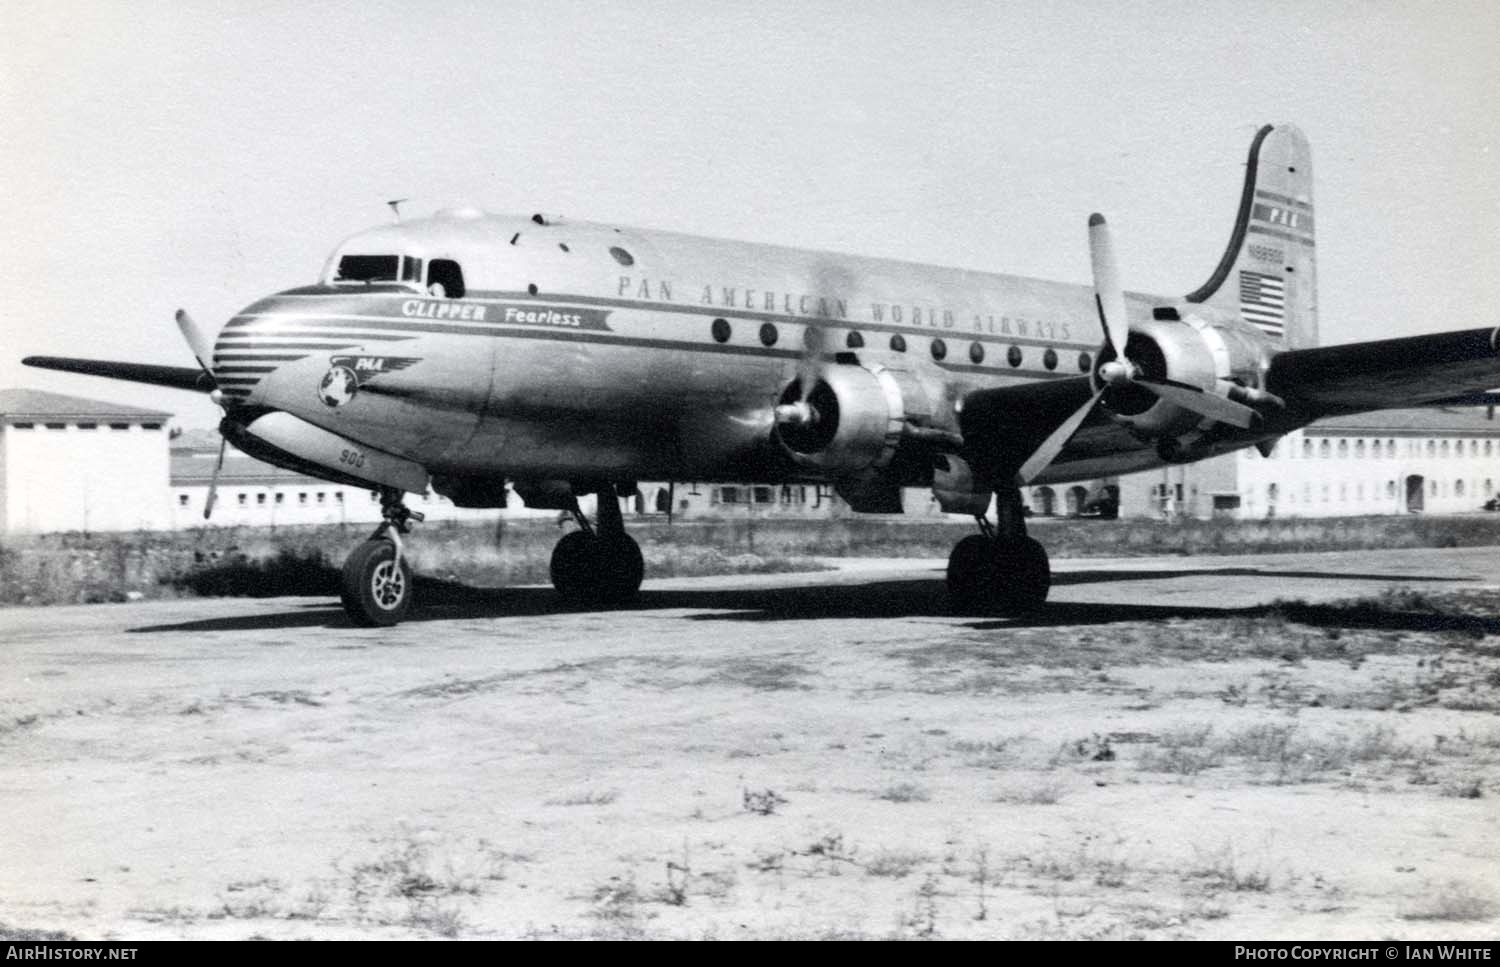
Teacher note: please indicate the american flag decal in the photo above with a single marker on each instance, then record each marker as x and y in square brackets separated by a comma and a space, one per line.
[1263, 301]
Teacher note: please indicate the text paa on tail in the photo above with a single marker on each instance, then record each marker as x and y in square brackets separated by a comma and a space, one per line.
[1268, 274]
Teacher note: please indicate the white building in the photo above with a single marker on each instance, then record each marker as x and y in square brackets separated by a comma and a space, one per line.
[72, 464]
[1437, 461]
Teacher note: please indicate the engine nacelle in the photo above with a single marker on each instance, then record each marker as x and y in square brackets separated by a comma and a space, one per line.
[1194, 351]
[852, 421]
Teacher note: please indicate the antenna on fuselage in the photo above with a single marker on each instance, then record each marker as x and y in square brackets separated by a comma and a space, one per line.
[396, 204]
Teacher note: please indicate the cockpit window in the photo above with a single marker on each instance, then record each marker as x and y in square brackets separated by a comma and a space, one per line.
[368, 268]
[445, 278]
[411, 269]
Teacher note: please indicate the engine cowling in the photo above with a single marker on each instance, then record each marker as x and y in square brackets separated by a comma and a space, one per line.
[850, 422]
[1214, 356]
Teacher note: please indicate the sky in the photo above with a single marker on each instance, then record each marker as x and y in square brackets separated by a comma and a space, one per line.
[205, 154]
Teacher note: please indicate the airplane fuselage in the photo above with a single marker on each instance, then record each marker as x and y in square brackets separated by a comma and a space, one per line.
[582, 351]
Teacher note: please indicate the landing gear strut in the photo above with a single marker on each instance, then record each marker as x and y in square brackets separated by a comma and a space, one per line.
[999, 570]
[376, 585]
[598, 564]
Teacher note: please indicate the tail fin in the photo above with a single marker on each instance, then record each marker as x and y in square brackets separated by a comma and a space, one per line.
[1268, 275]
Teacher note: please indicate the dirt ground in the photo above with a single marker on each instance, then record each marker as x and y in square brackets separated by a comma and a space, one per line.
[826, 755]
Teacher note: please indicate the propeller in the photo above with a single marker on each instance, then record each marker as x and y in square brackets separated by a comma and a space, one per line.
[202, 351]
[1109, 301]
[213, 484]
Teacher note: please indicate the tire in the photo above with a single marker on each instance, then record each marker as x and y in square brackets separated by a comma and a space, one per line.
[621, 569]
[375, 593]
[574, 564]
[1023, 576]
[971, 573]
[594, 570]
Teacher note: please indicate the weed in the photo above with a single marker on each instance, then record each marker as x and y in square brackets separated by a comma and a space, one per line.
[762, 803]
[588, 797]
[896, 863]
[1222, 870]
[905, 792]
[1456, 902]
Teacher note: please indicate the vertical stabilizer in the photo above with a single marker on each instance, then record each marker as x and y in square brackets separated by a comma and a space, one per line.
[1268, 275]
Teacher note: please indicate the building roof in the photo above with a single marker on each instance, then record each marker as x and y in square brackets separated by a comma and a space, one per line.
[195, 453]
[1469, 420]
[35, 404]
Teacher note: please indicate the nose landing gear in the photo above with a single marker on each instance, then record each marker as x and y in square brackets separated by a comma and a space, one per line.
[999, 570]
[598, 564]
[376, 583]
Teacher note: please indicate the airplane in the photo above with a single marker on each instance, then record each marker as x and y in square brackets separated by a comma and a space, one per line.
[480, 354]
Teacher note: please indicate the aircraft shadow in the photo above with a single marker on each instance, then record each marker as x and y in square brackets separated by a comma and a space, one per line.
[448, 601]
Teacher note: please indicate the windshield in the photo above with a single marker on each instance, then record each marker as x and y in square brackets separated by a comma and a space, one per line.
[379, 268]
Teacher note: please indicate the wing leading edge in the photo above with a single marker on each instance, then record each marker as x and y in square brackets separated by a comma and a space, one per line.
[1445, 368]
[176, 377]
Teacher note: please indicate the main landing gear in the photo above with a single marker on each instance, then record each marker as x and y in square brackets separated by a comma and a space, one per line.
[999, 570]
[376, 586]
[598, 564]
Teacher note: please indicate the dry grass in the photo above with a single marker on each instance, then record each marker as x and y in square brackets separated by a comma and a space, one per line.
[84, 568]
[1453, 903]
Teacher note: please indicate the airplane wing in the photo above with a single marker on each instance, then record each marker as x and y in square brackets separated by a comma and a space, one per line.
[176, 377]
[1441, 369]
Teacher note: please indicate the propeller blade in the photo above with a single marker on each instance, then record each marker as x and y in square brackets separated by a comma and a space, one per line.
[196, 340]
[213, 484]
[1052, 446]
[1202, 402]
[1109, 298]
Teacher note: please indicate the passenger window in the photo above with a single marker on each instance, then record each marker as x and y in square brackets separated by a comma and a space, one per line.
[445, 279]
[898, 343]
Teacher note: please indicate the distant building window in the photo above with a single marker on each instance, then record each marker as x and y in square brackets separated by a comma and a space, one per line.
[1432, 448]
[244, 499]
[57, 426]
[729, 495]
[1343, 449]
[1488, 447]
[1014, 356]
[1489, 486]
[1359, 450]
[182, 500]
[939, 349]
[1458, 488]
[338, 495]
[150, 426]
[119, 426]
[1325, 449]
[1307, 449]
[1049, 358]
[1375, 450]
[1390, 488]
[88, 426]
[1444, 448]
[260, 500]
[280, 498]
[302, 497]
[764, 495]
[898, 343]
[321, 495]
[23, 426]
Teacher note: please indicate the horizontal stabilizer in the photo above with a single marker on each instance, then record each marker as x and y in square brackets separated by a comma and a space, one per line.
[176, 377]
